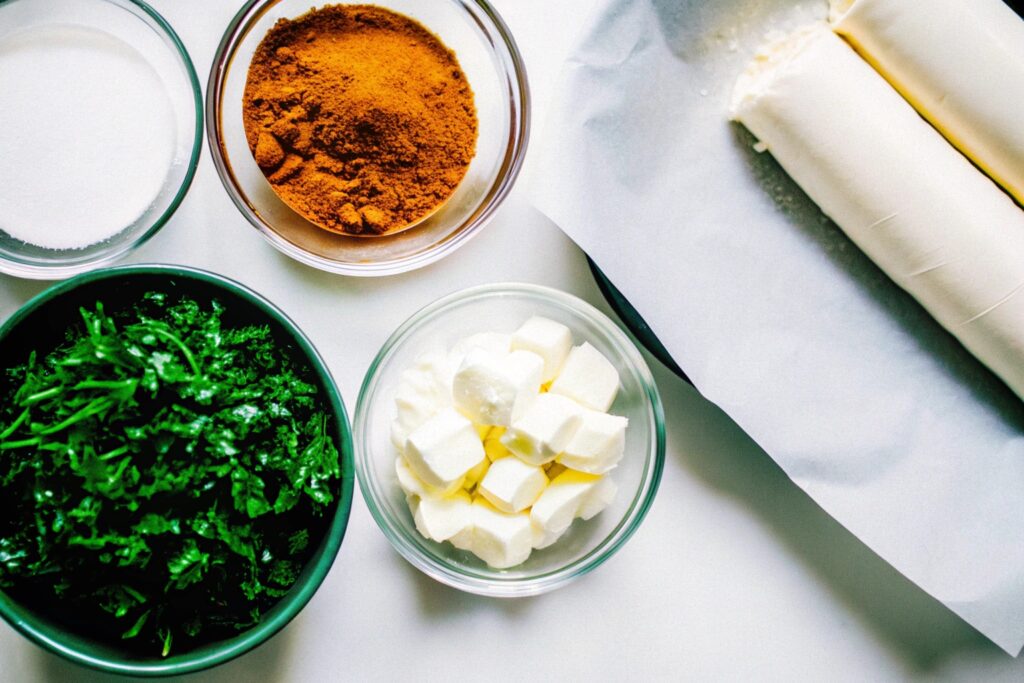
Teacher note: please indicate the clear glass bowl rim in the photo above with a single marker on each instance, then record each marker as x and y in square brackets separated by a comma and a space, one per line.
[57, 272]
[542, 583]
[518, 143]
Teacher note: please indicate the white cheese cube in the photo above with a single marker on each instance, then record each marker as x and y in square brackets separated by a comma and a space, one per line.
[598, 444]
[443, 449]
[511, 485]
[464, 539]
[561, 503]
[408, 481]
[491, 389]
[497, 343]
[499, 539]
[588, 378]
[415, 488]
[544, 429]
[423, 391]
[550, 340]
[600, 497]
[545, 538]
[441, 518]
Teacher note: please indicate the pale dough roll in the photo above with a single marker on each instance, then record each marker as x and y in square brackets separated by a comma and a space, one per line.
[959, 62]
[935, 224]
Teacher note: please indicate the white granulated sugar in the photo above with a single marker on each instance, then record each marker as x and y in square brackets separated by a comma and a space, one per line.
[87, 136]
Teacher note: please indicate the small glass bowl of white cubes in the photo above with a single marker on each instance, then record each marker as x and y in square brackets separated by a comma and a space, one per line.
[509, 439]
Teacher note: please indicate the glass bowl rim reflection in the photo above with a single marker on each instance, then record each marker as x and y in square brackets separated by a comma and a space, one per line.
[491, 583]
[60, 269]
[513, 68]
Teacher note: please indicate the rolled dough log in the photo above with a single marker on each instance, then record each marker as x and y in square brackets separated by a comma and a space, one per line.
[959, 62]
[936, 225]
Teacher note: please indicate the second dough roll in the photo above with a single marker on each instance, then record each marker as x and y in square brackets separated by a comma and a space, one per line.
[959, 62]
[936, 225]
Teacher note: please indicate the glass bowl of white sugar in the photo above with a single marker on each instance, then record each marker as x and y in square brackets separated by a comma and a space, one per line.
[502, 309]
[100, 132]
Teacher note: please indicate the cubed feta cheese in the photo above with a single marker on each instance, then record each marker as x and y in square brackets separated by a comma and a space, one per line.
[441, 518]
[408, 481]
[601, 496]
[511, 485]
[492, 389]
[415, 488]
[443, 449]
[495, 342]
[423, 391]
[561, 503]
[550, 340]
[588, 378]
[499, 539]
[598, 444]
[491, 464]
[544, 429]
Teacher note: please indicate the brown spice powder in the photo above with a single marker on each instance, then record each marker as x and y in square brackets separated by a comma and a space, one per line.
[361, 118]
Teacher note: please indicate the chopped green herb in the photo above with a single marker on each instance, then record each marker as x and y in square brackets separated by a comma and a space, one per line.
[164, 476]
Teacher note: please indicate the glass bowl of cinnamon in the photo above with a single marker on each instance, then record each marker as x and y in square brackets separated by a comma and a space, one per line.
[368, 140]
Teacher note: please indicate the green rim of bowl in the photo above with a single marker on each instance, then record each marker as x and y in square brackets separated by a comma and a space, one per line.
[494, 586]
[47, 636]
[56, 272]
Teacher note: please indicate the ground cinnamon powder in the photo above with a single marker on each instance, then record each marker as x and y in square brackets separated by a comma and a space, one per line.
[361, 118]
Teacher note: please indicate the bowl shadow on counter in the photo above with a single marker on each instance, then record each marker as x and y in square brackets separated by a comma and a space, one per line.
[440, 602]
[267, 663]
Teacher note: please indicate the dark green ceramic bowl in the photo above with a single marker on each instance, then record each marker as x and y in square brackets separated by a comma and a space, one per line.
[41, 324]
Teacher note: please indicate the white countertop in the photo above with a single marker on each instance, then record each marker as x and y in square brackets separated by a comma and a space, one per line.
[735, 574]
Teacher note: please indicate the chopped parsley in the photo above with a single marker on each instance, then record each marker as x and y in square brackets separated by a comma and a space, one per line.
[164, 476]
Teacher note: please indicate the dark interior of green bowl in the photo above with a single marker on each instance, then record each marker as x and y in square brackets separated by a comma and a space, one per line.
[42, 324]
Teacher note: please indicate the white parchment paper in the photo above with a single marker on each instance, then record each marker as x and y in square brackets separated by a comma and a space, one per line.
[860, 396]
